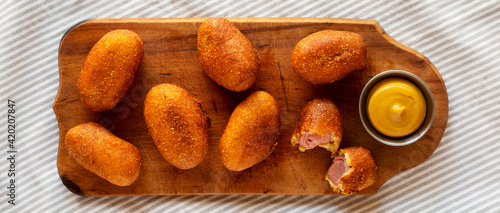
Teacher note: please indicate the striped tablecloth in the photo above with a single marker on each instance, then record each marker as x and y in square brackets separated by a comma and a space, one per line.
[461, 38]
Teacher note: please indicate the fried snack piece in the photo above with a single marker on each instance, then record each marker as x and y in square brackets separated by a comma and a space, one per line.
[353, 169]
[226, 55]
[109, 70]
[320, 124]
[327, 56]
[177, 124]
[101, 152]
[251, 133]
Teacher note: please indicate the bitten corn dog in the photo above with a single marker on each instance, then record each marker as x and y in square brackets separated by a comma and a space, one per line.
[320, 124]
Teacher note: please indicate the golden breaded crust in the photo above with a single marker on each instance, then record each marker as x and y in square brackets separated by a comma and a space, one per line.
[177, 124]
[327, 56]
[226, 55]
[109, 70]
[101, 152]
[251, 133]
[362, 174]
[318, 116]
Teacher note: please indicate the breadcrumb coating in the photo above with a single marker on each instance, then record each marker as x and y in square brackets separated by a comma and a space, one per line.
[101, 152]
[177, 124]
[327, 56]
[251, 133]
[109, 69]
[226, 55]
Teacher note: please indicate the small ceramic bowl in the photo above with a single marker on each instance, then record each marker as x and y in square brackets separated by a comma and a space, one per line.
[429, 102]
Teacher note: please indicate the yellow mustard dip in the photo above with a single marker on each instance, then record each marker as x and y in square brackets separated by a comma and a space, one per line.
[396, 107]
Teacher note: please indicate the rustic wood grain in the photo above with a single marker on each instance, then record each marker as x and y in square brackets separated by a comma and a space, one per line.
[170, 56]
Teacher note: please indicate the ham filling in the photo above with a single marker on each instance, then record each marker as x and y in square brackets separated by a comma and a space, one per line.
[310, 140]
[337, 169]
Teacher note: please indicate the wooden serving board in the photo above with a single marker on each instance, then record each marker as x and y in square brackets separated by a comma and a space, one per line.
[170, 56]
